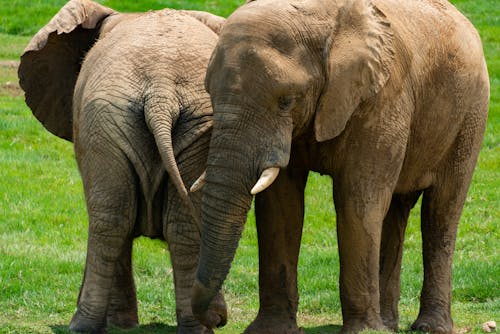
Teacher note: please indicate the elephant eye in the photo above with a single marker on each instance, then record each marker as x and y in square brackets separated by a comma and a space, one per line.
[285, 103]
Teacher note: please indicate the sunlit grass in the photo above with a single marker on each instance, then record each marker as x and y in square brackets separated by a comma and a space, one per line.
[26, 17]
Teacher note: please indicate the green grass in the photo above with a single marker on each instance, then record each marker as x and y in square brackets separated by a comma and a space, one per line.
[11, 46]
[23, 17]
[43, 220]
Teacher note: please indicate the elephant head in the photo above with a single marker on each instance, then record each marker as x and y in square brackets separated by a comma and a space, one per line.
[281, 69]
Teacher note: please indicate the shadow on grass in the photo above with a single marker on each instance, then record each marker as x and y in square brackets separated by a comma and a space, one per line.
[167, 329]
[146, 329]
[326, 329]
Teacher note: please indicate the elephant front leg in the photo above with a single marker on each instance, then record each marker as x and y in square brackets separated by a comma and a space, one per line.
[122, 310]
[391, 252]
[279, 214]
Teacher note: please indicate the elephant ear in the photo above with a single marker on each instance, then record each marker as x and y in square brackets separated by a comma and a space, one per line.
[51, 62]
[357, 60]
[212, 21]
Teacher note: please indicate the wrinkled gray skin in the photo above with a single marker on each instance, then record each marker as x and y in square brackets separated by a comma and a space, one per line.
[141, 125]
[388, 97]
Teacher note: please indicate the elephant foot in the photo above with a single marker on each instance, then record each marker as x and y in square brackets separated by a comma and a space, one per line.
[123, 319]
[391, 324]
[390, 321]
[273, 325]
[82, 323]
[358, 325]
[434, 322]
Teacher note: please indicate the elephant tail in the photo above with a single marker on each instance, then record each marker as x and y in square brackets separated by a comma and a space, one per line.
[160, 118]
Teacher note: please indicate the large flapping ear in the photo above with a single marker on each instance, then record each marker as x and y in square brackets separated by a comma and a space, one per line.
[212, 21]
[51, 62]
[357, 61]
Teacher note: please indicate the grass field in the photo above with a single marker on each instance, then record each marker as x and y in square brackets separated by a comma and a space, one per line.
[43, 219]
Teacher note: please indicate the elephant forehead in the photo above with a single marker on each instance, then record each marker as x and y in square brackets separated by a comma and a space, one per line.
[266, 60]
[249, 68]
[281, 22]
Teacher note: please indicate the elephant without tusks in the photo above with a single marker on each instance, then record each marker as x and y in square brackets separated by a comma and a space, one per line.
[140, 120]
[390, 99]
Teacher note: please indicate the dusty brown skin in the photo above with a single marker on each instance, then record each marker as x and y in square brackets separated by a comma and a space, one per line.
[140, 119]
[387, 97]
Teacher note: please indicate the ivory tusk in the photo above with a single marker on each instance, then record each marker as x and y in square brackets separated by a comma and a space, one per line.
[198, 183]
[266, 179]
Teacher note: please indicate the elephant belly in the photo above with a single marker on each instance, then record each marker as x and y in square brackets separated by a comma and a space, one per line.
[410, 182]
[430, 145]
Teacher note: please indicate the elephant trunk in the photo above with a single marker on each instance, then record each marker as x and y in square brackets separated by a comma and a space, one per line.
[233, 169]
[226, 202]
[224, 212]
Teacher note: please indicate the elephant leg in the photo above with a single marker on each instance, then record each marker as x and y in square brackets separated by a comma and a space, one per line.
[361, 208]
[183, 243]
[442, 206]
[183, 239]
[440, 214]
[111, 204]
[122, 309]
[441, 209]
[279, 215]
[391, 252]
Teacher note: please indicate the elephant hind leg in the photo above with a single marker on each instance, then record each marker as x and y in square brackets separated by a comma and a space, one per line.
[441, 209]
[182, 232]
[440, 214]
[109, 184]
[183, 243]
[122, 309]
[391, 252]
